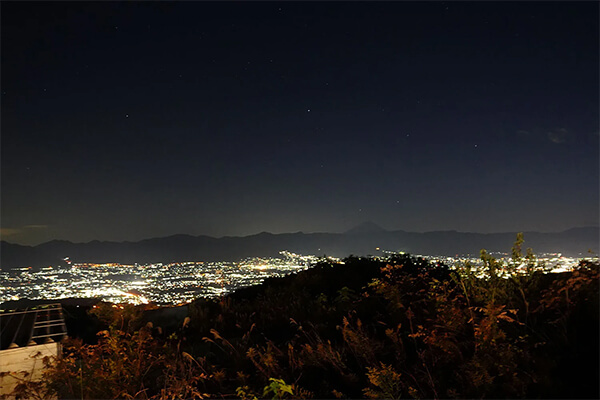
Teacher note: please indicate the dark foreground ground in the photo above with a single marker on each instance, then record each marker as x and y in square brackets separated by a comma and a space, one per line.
[363, 329]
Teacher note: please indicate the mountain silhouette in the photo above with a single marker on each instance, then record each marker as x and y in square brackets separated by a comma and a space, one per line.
[365, 239]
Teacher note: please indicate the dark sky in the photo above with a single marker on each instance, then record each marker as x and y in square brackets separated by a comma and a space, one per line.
[129, 120]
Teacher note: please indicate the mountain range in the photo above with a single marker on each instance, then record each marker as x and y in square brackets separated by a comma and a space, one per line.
[365, 239]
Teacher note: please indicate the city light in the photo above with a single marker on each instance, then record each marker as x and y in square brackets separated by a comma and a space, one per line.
[182, 282]
[163, 284]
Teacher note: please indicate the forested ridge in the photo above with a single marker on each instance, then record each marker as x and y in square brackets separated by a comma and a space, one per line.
[364, 328]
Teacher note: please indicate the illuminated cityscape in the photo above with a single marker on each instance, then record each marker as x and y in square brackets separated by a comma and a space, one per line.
[182, 282]
[163, 284]
[548, 262]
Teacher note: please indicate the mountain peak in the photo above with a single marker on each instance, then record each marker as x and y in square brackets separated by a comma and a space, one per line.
[366, 227]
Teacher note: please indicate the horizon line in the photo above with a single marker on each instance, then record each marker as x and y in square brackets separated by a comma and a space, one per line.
[383, 230]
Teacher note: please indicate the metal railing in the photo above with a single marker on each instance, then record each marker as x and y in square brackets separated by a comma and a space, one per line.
[48, 322]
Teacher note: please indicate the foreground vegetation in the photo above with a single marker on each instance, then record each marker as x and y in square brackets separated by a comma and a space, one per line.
[403, 328]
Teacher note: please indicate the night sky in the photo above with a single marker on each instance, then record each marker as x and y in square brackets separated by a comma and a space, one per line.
[129, 120]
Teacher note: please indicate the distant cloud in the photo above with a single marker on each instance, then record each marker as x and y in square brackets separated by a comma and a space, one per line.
[5, 232]
[555, 135]
[558, 135]
[9, 232]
